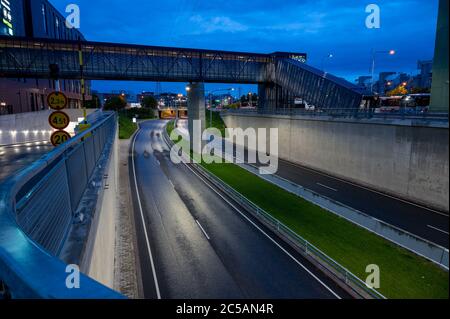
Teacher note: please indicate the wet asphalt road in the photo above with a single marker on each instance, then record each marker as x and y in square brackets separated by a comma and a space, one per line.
[199, 245]
[15, 157]
[419, 220]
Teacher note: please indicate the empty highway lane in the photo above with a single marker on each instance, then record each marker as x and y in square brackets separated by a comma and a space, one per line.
[194, 244]
[15, 157]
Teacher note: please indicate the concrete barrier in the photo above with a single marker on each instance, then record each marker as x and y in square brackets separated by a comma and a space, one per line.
[404, 158]
[98, 261]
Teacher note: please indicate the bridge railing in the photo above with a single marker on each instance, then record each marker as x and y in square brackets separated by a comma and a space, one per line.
[37, 208]
[349, 113]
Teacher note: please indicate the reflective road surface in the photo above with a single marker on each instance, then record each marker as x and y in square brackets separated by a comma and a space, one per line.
[194, 244]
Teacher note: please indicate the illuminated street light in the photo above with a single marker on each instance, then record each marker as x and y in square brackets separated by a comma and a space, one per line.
[328, 56]
[390, 52]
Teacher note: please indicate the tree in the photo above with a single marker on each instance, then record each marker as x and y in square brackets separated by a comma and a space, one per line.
[115, 103]
[94, 103]
[399, 90]
[149, 102]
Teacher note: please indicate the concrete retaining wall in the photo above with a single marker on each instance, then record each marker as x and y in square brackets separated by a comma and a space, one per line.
[98, 261]
[402, 158]
[32, 126]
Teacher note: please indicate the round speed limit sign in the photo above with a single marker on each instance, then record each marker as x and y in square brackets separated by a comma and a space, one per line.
[59, 137]
[57, 101]
[59, 120]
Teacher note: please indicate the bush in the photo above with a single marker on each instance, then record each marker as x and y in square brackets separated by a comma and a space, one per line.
[149, 102]
[115, 103]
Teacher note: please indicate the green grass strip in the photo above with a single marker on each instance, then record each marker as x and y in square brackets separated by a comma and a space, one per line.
[126, 127]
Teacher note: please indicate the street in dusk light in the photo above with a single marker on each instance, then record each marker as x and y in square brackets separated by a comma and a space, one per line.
[224, 159]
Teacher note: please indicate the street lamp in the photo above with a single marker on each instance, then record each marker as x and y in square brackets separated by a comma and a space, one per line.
[390, 52]
[329, 56]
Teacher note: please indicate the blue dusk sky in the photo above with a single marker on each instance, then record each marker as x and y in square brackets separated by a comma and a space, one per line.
[315, 27]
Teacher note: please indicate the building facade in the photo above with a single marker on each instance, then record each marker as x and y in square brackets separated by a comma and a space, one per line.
[439, 90]
[39, 19]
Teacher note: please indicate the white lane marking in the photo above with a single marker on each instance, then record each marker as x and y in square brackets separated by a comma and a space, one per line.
[265, 234]
[440, 230]
[325, 186]
[203, 230]
[368, 189]
[155, 278]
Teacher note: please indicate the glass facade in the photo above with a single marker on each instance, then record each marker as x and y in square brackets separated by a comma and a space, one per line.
[6, 24]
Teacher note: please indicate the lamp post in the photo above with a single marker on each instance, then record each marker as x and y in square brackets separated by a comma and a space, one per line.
[329, 56]
[390, 52]
[210, 101]
[178, 106]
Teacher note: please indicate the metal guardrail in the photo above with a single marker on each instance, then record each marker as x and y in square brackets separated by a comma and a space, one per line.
[36, 211]
[349, 113]
[305, 247]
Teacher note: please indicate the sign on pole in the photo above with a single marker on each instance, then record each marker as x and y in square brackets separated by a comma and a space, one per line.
[57, 101]
[59, 137]
[59, 120]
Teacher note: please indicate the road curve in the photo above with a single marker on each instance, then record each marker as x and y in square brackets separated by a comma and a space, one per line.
[193, 244]
[15, 157]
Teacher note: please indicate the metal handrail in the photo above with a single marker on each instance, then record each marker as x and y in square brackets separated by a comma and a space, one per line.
[347, 112]
[342, 273]
[26, 269]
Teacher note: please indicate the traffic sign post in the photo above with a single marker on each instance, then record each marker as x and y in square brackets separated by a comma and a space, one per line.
[58, 120]
[57, 101]
[59, 137]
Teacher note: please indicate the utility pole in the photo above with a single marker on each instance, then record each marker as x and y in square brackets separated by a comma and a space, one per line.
[83, 89]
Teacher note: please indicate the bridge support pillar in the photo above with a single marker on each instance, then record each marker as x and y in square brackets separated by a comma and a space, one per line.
[196, 112]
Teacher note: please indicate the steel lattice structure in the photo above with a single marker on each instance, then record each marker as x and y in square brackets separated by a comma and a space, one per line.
[30, 58]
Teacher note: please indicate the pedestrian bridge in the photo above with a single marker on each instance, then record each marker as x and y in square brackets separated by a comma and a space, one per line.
[280, 76]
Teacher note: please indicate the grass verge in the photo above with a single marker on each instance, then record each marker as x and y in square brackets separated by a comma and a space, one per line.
[217, 121]
[126, 127]
[403, 274]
